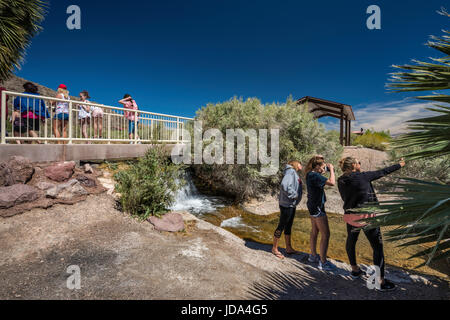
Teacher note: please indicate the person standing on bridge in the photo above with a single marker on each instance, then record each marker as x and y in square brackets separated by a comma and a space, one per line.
[61, 118]
[129, 103]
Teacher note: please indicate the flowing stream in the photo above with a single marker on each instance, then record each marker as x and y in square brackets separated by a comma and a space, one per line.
[220, 212]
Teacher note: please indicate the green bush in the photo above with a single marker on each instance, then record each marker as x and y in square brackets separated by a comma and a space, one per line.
[435, 169]
[147, 188]
[378, 140]
[301, 136]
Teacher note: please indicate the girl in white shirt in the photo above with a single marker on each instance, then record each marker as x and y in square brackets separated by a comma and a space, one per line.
[84, 113]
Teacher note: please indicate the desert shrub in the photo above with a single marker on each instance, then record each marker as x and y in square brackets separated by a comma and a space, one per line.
[435, 169]
[301, 136]
[378, 140]
[147, 187]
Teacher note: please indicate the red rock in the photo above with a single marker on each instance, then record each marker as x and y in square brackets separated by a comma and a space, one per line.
[60, 172]
[17, 194]
[16, 170]
[171, 222]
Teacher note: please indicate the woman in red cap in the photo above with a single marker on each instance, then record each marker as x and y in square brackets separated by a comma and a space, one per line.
[61, 112]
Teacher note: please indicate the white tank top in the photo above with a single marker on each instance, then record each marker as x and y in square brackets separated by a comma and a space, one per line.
[62, 107]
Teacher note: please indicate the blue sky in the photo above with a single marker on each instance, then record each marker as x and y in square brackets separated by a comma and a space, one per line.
[176, 56]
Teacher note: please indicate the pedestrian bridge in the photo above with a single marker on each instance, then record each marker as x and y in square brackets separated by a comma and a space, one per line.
[105, 138]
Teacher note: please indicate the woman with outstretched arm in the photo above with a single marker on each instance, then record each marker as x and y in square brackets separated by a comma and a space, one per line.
[355, 187]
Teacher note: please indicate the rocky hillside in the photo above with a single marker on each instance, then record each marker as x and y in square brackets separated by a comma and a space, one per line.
[16, 83]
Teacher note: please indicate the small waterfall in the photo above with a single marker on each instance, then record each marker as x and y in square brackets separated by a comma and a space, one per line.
[189, 199]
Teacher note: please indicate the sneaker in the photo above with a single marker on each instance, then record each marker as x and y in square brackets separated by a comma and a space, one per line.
[387, 286]
[357, 274]
[327, 266]
[313, 259]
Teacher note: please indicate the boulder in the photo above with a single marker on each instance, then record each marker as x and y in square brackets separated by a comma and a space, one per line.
[88, 169]
[19, 193]
[43, 185]
[86, 181]
[60, 172]
[18, 170]
[66, 191]
[170, 222]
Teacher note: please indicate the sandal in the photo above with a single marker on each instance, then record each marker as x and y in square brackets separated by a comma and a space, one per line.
[278, 255]
[293, 252]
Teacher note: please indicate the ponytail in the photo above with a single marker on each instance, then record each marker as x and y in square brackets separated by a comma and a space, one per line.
[346, 164]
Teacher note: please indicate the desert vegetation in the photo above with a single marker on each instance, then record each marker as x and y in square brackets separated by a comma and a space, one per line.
[301, 136]
[147, 187]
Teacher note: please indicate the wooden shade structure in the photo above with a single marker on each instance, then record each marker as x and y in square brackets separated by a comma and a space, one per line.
[324, 108]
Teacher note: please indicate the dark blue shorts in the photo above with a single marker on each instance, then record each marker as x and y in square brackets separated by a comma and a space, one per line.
[131, 126]
[62, 116]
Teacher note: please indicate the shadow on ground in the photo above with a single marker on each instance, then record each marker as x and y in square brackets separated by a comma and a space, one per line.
[310, 283]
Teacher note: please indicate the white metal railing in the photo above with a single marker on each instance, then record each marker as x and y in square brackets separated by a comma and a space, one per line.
[113, 127]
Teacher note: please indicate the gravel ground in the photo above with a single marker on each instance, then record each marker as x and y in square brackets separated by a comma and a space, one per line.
[122, 258]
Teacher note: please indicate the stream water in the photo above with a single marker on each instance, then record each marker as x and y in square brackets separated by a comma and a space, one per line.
[220, 212]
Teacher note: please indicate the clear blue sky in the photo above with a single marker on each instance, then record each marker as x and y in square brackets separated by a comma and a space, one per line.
[176, 56]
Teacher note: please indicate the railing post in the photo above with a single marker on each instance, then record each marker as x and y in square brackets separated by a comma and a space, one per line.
[135, 126]
[178, 130]
[151, 129]
[109, 128]
[182, 131]
[70, 122]
[3, 118]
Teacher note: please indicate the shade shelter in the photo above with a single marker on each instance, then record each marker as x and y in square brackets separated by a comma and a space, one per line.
[325, 108]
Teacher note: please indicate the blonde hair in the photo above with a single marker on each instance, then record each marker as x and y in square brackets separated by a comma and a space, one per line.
[294, 162]
[64, 92]
[314, 162]
[346, 164]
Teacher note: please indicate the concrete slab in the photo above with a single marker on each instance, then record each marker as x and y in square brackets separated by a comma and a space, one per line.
[76, 152]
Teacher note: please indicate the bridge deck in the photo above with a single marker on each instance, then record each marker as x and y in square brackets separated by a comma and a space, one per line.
[52, 152]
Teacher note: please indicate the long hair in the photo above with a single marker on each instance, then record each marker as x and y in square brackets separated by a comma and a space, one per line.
[314, 162]
[85, 94]
[346, 164]
[64, 92]
[293, 163]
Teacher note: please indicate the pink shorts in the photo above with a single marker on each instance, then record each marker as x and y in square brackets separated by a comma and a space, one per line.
[97, 114]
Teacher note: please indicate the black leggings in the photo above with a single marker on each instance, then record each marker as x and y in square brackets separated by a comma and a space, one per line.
[376, 241]
[286, 219]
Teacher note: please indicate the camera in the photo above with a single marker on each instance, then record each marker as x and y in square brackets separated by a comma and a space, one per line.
[326, 168]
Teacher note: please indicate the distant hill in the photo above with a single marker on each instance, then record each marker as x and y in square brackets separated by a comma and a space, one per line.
[16, 83]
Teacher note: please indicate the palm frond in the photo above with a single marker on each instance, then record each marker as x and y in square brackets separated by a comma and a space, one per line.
[19, 22]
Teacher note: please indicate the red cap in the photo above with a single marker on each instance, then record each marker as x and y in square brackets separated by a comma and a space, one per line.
[62, 86]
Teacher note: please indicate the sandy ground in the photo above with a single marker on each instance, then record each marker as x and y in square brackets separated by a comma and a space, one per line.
[122, 258]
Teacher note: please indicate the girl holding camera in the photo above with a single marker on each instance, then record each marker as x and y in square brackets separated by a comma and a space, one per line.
[315, 183]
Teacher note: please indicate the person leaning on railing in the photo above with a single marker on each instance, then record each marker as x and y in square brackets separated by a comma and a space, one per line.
[62, 117]
[129, 103]
[32, 110]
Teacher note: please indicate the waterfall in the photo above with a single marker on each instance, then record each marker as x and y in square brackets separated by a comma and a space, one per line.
[188, 198]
